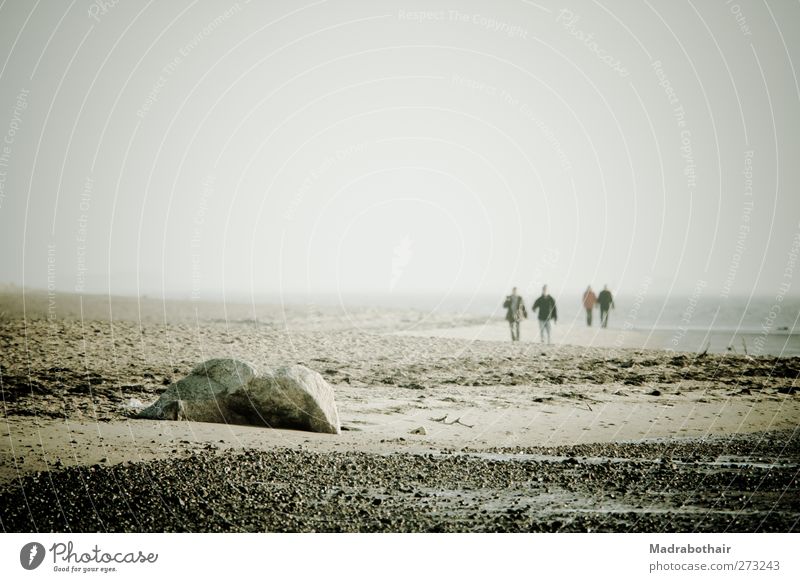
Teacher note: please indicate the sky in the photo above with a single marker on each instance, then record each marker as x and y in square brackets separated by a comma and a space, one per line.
[203, 149]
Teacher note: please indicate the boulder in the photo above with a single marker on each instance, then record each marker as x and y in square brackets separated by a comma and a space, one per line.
[205, 385]
[232, 392]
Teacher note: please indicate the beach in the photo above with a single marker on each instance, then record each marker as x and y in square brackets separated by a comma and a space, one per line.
[604, 436]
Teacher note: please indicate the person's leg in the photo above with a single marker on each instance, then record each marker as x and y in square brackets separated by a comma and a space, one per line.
[517, 329]
[547, 329]
[603, 317]
[511, 327]
[541, 329]
[588, 317]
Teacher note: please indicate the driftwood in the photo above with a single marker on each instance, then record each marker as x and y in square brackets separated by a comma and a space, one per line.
[443, 420]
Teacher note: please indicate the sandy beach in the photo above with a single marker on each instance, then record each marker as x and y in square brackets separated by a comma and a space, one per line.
[517, 437]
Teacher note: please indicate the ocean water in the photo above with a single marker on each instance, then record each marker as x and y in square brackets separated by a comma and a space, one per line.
[752, 325]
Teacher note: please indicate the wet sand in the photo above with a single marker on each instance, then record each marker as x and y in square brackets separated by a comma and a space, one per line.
[575, 333]
[519, 437]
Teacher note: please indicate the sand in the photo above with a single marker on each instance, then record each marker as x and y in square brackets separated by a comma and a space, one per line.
[70, 374]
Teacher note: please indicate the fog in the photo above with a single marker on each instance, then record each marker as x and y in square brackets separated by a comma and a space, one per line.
[215, 150]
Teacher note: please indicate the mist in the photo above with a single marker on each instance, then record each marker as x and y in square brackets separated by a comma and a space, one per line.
[208, 150]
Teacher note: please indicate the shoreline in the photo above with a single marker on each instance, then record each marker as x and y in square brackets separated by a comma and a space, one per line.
[402, 321]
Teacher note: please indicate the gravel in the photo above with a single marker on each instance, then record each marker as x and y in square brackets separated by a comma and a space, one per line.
[746, 483]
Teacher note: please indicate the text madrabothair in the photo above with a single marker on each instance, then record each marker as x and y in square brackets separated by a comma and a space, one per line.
[688, 549]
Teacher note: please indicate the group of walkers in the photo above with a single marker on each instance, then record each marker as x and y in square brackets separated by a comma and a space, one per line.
[605, 301]
[545, 305]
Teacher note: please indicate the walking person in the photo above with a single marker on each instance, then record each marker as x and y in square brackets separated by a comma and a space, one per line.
[515, 311]
[547, 313]
[589, 299]
[606, 301]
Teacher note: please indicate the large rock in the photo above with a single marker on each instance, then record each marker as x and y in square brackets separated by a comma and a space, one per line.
[207, 383]
[230, 391]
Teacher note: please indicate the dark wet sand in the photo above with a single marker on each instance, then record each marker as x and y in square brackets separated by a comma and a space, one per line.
[741, 484]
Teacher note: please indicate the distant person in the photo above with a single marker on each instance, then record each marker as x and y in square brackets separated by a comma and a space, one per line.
[547, 312]
[589, 299]
[606, 302]
[515, 311]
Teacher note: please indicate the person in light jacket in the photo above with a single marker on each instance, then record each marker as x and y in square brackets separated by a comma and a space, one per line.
[589, 299]
[515, 311]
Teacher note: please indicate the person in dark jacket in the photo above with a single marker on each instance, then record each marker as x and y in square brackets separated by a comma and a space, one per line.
[606, 301]
[515, 311]
[547, 312]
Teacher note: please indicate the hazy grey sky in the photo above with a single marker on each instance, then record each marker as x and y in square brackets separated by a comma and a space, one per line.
[392, 147]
